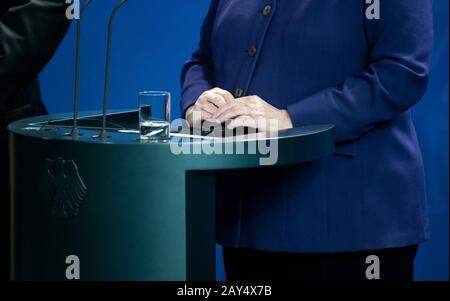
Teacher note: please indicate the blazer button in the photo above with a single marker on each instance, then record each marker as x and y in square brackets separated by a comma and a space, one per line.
[267, 10]
[252, 51]
[238, 93]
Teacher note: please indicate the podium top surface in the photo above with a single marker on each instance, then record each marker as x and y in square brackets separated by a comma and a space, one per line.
[123, 129]
[292, 146]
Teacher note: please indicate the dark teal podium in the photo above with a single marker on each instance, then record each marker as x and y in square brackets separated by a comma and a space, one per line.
[128, 210]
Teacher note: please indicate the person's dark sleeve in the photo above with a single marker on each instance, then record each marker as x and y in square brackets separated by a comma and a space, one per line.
[197, 75]
[30, 33]
[395, 79]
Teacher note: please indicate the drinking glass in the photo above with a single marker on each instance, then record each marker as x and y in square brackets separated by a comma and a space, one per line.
[154, 115]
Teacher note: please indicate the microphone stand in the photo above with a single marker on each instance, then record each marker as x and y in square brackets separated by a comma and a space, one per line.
[75, 132]
[103, 134]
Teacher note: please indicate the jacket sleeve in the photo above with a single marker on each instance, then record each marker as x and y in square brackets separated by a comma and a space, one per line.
[197, 75]
[30, 33]
[395, 79]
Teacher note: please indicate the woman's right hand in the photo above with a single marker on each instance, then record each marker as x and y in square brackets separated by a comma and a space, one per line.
[207, 104]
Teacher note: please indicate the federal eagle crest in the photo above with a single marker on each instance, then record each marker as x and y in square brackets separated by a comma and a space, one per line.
[65, 188]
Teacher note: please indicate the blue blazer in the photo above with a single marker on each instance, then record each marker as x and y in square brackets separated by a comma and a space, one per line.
[325, 62]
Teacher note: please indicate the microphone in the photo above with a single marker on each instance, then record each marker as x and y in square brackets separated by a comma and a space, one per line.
[75, 132]
[103, 134]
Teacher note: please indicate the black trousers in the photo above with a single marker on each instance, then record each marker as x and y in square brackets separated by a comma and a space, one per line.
[247, 264]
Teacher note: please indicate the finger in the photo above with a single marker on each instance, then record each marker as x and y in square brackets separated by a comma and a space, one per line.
[228, 107]
[205, 115]
[243, 121]
[244, 99]
[216, 99]
[229, 98]
[249, 99]
[199, 115]
[237, 110]
[233, 112]
[206, 106]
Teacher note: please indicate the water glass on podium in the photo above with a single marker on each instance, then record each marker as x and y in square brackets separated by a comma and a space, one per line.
[154, 115]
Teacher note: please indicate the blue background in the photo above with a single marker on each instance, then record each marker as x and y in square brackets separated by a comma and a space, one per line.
[152, 40]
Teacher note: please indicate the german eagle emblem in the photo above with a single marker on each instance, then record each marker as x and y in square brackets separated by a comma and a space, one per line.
[66, 189]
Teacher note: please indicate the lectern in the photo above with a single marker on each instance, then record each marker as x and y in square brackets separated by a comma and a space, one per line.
[128, 210]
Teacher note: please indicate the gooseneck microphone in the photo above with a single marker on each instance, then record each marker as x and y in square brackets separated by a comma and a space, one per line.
[75, 132]
[103, 134]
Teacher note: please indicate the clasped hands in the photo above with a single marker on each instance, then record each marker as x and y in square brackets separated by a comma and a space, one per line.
[219, 106]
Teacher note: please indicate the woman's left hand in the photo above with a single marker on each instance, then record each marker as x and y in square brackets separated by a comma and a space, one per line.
[254, 112]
